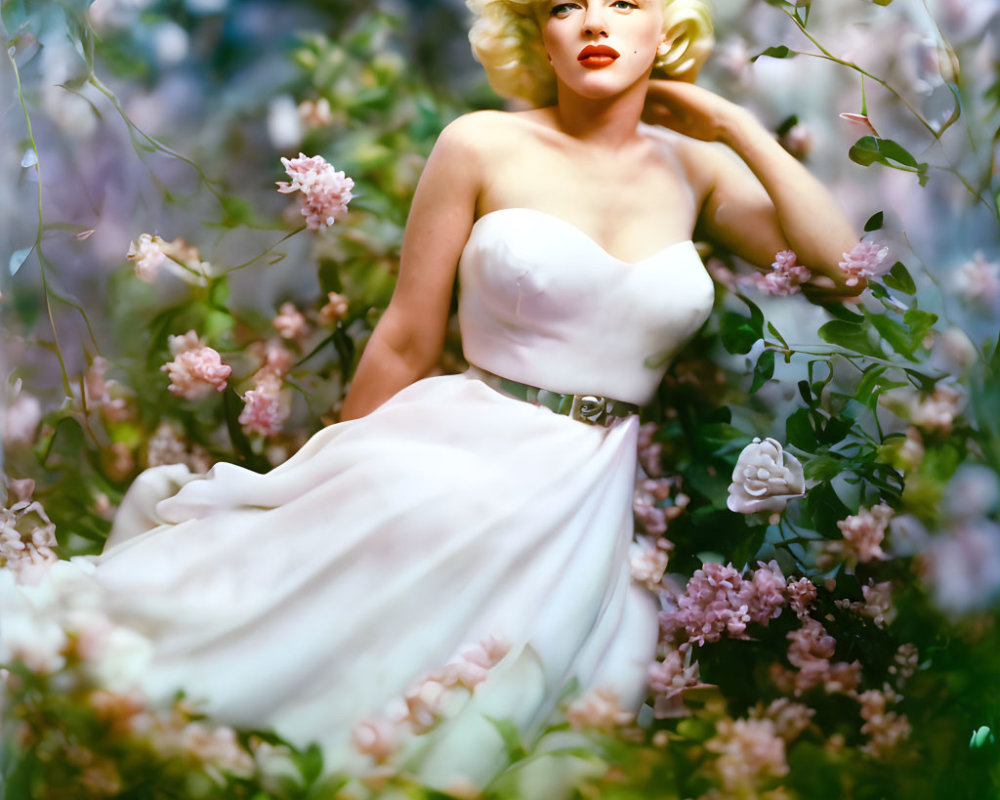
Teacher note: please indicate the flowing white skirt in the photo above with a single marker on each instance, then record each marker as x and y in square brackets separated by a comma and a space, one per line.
[312, 597]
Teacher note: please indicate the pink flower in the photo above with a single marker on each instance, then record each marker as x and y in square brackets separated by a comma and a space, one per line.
[290, 322]
[789, 718]
[936, 412]
[648, 562]
[265, 409]
[650, 452]
[863, 532]
[860, 121]
[377, 738]
[273, 356]
[717, 600]
[599, 709]
[148, 255]
[801, 595]
[196, 369]
[864, 260]
[325, 191]
[27, 535]
[425, 704]
[489, 652]
[978, 280]
[334, 310]
[315, 113]
[878, 602]
[748, 749]
[886, 728]
[785, 277]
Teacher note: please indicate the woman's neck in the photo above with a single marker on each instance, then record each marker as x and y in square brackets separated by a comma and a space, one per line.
[607, 122]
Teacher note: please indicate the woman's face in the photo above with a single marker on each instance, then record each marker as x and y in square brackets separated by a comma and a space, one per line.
[599, 48]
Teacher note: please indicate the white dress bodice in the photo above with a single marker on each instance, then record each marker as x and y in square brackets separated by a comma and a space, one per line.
[543, 304]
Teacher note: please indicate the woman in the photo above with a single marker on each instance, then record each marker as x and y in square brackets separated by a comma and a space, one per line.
[343, 591]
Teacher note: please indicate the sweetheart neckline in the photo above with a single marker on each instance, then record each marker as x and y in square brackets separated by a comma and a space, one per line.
[582, 233]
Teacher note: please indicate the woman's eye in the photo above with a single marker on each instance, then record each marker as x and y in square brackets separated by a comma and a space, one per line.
[561, 9]
[623, 4]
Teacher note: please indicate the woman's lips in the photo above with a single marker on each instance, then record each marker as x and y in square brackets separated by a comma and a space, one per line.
[595, 56]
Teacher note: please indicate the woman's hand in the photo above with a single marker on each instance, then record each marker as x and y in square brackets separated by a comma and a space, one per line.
[690, 110]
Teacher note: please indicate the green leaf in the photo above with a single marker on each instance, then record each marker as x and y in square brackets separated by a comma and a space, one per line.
[511, 737]
[920, 322]
[763, 371]
[871, 149]
[774, 332]
[898, 335]
[849, 335]
[781, 51]
[17, 259]
[874, 222]
[899, 278]
[310, 763]
[738, 333]
[799, 430]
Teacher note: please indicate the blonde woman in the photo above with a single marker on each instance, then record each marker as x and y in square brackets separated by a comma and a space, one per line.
[457, 548]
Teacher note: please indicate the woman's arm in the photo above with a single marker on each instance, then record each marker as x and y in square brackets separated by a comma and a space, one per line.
[406, 344]
[760, 199]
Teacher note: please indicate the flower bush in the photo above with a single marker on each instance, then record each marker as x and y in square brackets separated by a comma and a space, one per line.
[836, 637]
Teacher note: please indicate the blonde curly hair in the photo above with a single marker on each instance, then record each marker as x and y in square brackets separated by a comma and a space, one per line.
[507, 41]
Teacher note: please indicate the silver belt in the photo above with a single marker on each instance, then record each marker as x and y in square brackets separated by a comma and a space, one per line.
[589, 408]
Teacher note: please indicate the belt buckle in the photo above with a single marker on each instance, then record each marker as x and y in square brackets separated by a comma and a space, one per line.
[589, 408]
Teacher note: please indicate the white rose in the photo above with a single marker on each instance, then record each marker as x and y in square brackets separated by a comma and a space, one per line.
[765, 478]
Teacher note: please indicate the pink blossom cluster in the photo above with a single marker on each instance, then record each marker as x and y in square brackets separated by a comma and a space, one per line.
[649, 560]
[904, 663]
[599, 709]
[863, 533]
[196, 370]
[265, 406]
[168, 446]
[290, 322]
[315, 113]
[325, 192]
[151, 253]
[978, 280]
[790, 718]
[27, 535]
[717, 601]
[864, 260]
[97, 390]
[425, 702]
[810, 651]
[650, 493]
[749, 751]
[885, 729]
[334, 310]
[936, 412]
[650, 451]
[785, 278]
[877, 603]
[801, 596]
[147, 253]
[668, 680]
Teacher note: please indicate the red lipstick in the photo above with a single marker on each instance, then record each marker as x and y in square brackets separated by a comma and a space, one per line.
[596, 56]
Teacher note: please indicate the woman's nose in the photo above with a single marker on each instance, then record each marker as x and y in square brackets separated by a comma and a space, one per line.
[593, 21]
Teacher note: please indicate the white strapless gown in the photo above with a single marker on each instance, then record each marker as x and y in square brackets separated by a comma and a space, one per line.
[312, 597]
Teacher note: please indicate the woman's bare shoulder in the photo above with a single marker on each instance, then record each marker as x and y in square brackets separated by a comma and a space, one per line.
[484, 129]
[699, 160]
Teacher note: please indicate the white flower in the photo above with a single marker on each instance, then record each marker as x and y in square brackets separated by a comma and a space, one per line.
[765, 478]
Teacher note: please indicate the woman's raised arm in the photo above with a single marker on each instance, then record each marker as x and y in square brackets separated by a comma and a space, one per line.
[760, 200]
[408, 339]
